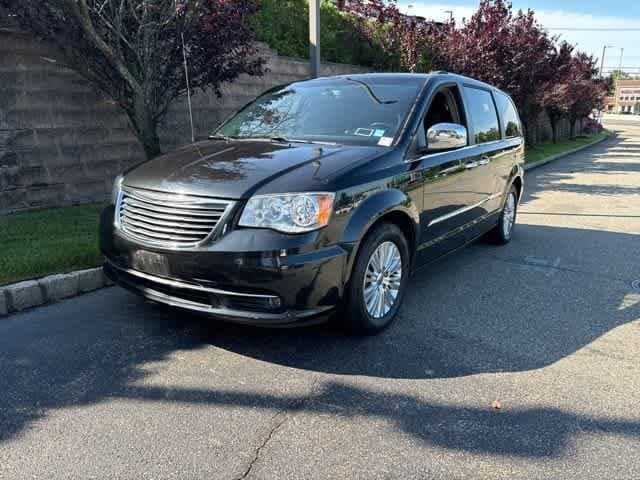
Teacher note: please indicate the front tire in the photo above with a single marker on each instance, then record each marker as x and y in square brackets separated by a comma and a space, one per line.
[378, 281]
[502, 233]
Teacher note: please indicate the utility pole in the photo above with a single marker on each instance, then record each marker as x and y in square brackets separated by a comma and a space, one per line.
[615, 91]
[450, 12]
[620, 64]
[314, 37]
[604, 50]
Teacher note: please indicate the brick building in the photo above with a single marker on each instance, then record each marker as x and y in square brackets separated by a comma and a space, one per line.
[626, 98]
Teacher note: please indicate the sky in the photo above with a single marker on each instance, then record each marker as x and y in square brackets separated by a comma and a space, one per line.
[589, 24]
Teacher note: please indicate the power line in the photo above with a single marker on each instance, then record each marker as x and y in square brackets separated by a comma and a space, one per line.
[595, 29]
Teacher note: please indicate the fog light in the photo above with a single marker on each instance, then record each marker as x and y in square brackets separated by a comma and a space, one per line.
[274, 303]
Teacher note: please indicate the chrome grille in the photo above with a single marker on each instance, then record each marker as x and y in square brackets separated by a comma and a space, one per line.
[168, 220]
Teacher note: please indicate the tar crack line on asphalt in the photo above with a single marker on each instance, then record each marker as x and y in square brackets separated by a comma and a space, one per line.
[266, 440]
[279, 419]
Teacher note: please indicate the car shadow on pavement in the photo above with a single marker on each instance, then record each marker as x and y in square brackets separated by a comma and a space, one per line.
[532, 432]
[463, 315]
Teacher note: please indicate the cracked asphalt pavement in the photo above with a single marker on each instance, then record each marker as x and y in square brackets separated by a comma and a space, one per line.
[108, 386]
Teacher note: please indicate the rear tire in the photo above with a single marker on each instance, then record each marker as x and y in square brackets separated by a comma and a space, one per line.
[378, 281]
[503, 231]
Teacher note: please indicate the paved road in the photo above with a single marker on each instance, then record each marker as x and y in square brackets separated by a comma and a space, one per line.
[106, 386]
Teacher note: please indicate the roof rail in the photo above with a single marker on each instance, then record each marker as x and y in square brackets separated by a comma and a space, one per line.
[440, 72]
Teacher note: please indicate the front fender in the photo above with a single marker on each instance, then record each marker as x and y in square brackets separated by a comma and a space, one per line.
[368, 212]
[375, 206]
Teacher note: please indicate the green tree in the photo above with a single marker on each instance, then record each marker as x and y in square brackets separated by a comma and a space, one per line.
[619, 75]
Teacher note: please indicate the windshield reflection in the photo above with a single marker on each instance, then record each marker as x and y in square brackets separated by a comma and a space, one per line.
[344, 110]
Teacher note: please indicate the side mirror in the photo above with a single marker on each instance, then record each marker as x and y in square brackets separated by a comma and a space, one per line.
[446, 136]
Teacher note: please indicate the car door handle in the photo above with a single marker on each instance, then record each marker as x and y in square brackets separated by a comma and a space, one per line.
[483, 160]
[471, 164]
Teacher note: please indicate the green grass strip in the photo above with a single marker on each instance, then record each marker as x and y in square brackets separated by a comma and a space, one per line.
[541, 151]
[57, 240]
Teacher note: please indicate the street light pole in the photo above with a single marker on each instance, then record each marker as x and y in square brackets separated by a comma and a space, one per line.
[314, 37]
[604, 50]
[615, 92]
[620, 64]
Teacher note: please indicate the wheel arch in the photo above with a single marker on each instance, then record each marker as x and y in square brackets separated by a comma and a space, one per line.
[389, 206]
[518, 183]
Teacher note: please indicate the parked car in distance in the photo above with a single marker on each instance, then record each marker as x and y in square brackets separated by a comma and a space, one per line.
[319, 198]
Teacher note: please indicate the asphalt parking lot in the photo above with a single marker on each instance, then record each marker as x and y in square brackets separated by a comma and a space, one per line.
[108, 386]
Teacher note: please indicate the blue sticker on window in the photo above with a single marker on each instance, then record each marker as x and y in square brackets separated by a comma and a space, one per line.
[378, 133]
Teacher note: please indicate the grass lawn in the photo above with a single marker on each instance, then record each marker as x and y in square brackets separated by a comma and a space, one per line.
[58, 240]
[544, 150]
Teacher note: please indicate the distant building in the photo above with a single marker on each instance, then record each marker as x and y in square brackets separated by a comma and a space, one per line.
[626, 98]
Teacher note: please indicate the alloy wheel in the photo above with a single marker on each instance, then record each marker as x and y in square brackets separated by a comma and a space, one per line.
[509, 215]
[382, 279]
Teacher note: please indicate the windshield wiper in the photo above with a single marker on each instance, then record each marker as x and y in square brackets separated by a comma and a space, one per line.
[300, 140]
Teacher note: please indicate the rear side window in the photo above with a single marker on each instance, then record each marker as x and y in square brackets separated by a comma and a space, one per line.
[509, 116]
[484, 118]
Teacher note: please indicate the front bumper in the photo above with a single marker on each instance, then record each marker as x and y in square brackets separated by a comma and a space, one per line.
[247, 276]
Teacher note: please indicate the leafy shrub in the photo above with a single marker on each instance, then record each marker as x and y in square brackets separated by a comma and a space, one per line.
[284, 25]
[593, 127]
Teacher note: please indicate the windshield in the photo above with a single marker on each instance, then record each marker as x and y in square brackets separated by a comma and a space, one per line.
[351, 111]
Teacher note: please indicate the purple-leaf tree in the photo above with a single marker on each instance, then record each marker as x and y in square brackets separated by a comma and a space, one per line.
[510, 51]
[405, 41]
[555, 93]
[585, 92]
[132, 49]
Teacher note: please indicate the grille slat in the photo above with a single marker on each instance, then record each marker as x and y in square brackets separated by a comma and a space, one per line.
[169, 220]
[166, 223]
[160, 229]
[160, 236]
[161, 209]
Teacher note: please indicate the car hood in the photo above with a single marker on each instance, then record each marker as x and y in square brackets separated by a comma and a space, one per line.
[239, 169]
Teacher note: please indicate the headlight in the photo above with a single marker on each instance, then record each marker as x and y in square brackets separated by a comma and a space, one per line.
[288, 212]
[115, 191]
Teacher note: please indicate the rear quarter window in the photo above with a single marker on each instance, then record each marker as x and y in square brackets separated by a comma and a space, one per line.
[483, 115]
[509, 116]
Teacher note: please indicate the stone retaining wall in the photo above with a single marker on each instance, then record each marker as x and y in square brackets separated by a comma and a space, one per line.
[62, 142]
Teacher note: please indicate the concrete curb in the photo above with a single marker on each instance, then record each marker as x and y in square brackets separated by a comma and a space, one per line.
[53, 288]
[544, 161]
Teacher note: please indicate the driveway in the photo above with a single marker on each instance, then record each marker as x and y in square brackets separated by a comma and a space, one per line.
[107, 386]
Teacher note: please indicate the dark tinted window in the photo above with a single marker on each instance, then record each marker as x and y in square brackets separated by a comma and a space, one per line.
[357, 111]
[509, 116]
[483, 115]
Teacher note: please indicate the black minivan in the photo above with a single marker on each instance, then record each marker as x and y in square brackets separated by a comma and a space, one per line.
[319, 198]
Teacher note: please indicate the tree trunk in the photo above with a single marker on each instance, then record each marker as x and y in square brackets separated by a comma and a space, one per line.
[554, 128]
[145, 126]
[572, 129]
[530, 129]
